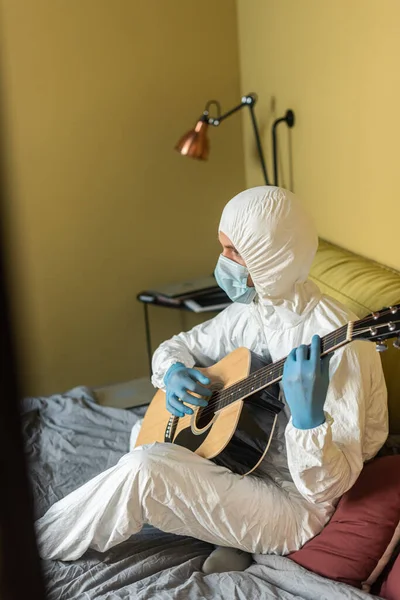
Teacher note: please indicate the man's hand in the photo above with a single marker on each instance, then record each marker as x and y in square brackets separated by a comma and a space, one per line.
[305, 384]
[179, 382]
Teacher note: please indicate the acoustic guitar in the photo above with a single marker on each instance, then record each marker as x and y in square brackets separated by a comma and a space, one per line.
[240, 382]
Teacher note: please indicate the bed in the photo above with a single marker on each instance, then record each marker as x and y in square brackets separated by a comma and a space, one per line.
[71, 438]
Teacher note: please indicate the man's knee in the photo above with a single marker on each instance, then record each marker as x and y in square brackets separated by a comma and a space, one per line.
[142, 458]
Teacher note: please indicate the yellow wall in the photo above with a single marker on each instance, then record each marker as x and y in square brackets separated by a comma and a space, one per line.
[336, 64]
[96, 94]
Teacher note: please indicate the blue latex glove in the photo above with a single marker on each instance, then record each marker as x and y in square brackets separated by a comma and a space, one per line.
[305, 384]
[179, 382]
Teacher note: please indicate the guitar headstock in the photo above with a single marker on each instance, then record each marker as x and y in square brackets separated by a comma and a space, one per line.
[379, 326]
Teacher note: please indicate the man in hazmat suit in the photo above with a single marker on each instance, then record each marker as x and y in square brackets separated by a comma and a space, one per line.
[335, 415]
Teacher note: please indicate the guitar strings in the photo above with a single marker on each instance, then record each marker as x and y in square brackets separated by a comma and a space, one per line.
[275, 371]
[268, 373]
[221, 396]
[260, 380]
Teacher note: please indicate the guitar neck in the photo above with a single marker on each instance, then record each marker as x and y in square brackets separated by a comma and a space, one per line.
[272, 373]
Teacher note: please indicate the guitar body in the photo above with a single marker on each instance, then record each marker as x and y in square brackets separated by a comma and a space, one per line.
[228, 435]
[237, 427]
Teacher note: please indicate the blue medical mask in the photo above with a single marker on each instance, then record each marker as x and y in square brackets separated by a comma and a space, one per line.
[232, 278]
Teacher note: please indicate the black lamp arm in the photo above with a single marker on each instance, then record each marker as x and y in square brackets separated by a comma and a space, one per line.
[249, 101]
[217, 120]
[258, 142]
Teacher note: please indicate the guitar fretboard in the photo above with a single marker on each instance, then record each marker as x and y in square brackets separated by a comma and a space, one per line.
[272, 373]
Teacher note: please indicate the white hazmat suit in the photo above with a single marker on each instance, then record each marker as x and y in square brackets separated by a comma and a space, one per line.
[308, 470]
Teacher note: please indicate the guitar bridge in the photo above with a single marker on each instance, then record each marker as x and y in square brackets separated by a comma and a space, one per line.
[170, 429]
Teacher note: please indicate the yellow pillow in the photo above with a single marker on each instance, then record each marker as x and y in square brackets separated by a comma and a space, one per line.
[364, 286]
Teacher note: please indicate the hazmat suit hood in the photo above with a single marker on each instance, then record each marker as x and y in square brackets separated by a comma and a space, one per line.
[277, 240]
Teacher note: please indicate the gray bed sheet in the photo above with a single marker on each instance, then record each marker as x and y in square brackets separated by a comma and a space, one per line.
[70, 439]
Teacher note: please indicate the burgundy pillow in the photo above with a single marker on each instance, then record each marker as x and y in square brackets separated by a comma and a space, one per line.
[353, 543]
[391, 586]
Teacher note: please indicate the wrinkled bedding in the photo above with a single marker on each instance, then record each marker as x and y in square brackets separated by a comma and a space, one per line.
[69, 439]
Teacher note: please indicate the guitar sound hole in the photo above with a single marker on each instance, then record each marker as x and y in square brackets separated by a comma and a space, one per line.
[206, 414]
[203, 417]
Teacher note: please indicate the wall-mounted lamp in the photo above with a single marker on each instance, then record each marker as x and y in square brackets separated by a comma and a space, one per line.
[196, 145]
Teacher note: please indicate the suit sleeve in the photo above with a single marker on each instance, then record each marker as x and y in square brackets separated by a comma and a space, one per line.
[325, 462]
[203, 345]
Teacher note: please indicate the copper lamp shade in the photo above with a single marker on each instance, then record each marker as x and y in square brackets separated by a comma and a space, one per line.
[195, 142]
